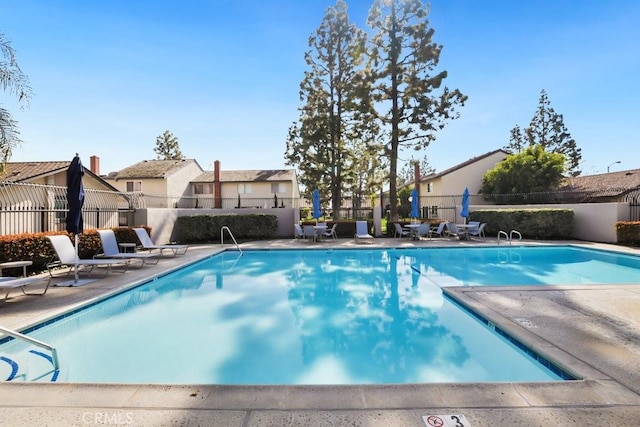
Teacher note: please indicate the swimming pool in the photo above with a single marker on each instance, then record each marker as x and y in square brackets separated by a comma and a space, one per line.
[298, 317]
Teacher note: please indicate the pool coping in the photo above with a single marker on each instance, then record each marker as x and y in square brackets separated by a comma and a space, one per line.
[599, 392]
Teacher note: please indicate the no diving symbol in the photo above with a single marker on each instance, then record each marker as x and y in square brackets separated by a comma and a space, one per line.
[449, 420]
[434, 421]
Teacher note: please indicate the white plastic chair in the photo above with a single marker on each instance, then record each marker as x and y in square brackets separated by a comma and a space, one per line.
[331, 232]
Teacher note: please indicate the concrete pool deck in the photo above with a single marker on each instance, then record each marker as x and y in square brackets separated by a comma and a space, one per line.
[591, 331]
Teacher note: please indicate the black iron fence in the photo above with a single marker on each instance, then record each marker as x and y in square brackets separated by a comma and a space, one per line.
[33, 208]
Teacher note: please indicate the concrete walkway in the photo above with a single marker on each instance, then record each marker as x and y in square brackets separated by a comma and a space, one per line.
[591, 331]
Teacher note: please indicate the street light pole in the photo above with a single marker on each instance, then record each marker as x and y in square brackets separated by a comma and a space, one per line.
[614, 163]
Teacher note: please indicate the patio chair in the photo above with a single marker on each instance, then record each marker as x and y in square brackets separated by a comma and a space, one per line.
[452, 230]
[479, 231]
[11, 283]
[148, 244]
[331, 232]
[362, 233]
[423, 230]
[66, 254]
[298, 232]
[110, 250]
[399, 231]
[309, 232]
[439, 230]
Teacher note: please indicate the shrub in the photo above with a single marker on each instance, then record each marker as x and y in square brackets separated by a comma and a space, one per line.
[628, 232]
[531, 223]
[206, 228]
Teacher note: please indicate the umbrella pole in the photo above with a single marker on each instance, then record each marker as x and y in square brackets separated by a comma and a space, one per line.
[75, 268]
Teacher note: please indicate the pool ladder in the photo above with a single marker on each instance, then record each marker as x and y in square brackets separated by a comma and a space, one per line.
[509, 237]
[19, 336]
[222, 230]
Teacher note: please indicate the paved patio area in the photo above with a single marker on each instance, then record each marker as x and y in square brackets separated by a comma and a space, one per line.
[592, 331]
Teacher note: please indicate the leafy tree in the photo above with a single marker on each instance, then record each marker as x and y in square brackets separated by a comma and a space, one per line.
[409, 96]
[167, 147]
[322, 144]
[547, 129]
[533, 170]
[15, 82]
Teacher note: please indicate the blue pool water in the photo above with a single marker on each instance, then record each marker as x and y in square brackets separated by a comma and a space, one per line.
[310, 317]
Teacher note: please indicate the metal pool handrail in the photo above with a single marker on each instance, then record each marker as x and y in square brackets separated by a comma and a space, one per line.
[230, 234]
[509, 237]
[18, 335]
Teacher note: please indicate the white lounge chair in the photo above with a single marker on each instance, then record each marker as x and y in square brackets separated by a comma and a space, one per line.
[362, 233]
[148, 244]
[66, 254]
[110, 250]
[11, 283]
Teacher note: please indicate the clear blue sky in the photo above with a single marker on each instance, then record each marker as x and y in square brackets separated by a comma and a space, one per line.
[223, 76]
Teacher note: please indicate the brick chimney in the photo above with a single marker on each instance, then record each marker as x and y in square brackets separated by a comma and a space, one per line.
[94, 165]
[217, 185]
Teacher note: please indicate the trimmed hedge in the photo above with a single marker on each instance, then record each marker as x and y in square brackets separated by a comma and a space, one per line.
[531, 223]
[628, 232]
[206, 228]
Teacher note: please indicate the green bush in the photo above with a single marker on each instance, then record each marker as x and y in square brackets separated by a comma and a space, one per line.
[206, 228]
[531, 223]
[628, 232]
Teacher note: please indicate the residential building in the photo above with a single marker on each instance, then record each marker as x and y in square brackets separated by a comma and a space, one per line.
[163, 182]
[467, 174]
[246, 188]
[53, 173]
[602, 188]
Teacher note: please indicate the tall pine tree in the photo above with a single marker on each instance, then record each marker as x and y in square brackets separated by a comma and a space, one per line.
[319, 143]
[409, 96]
[167, 147]
[548, 130]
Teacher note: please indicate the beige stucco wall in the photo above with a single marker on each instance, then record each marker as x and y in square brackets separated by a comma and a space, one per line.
[469, 176]
[594, 222]
[179, 182]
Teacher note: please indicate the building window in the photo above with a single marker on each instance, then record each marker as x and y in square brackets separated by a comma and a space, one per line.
[430, 187]
[277, 187]
[434, 212]
[134, 186]
[203, 188]
[244, 188]
[60, 206]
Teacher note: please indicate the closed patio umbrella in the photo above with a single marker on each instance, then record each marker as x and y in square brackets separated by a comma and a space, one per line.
[317, 212]
[75, 201]
[464, 212]
[415, 204]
